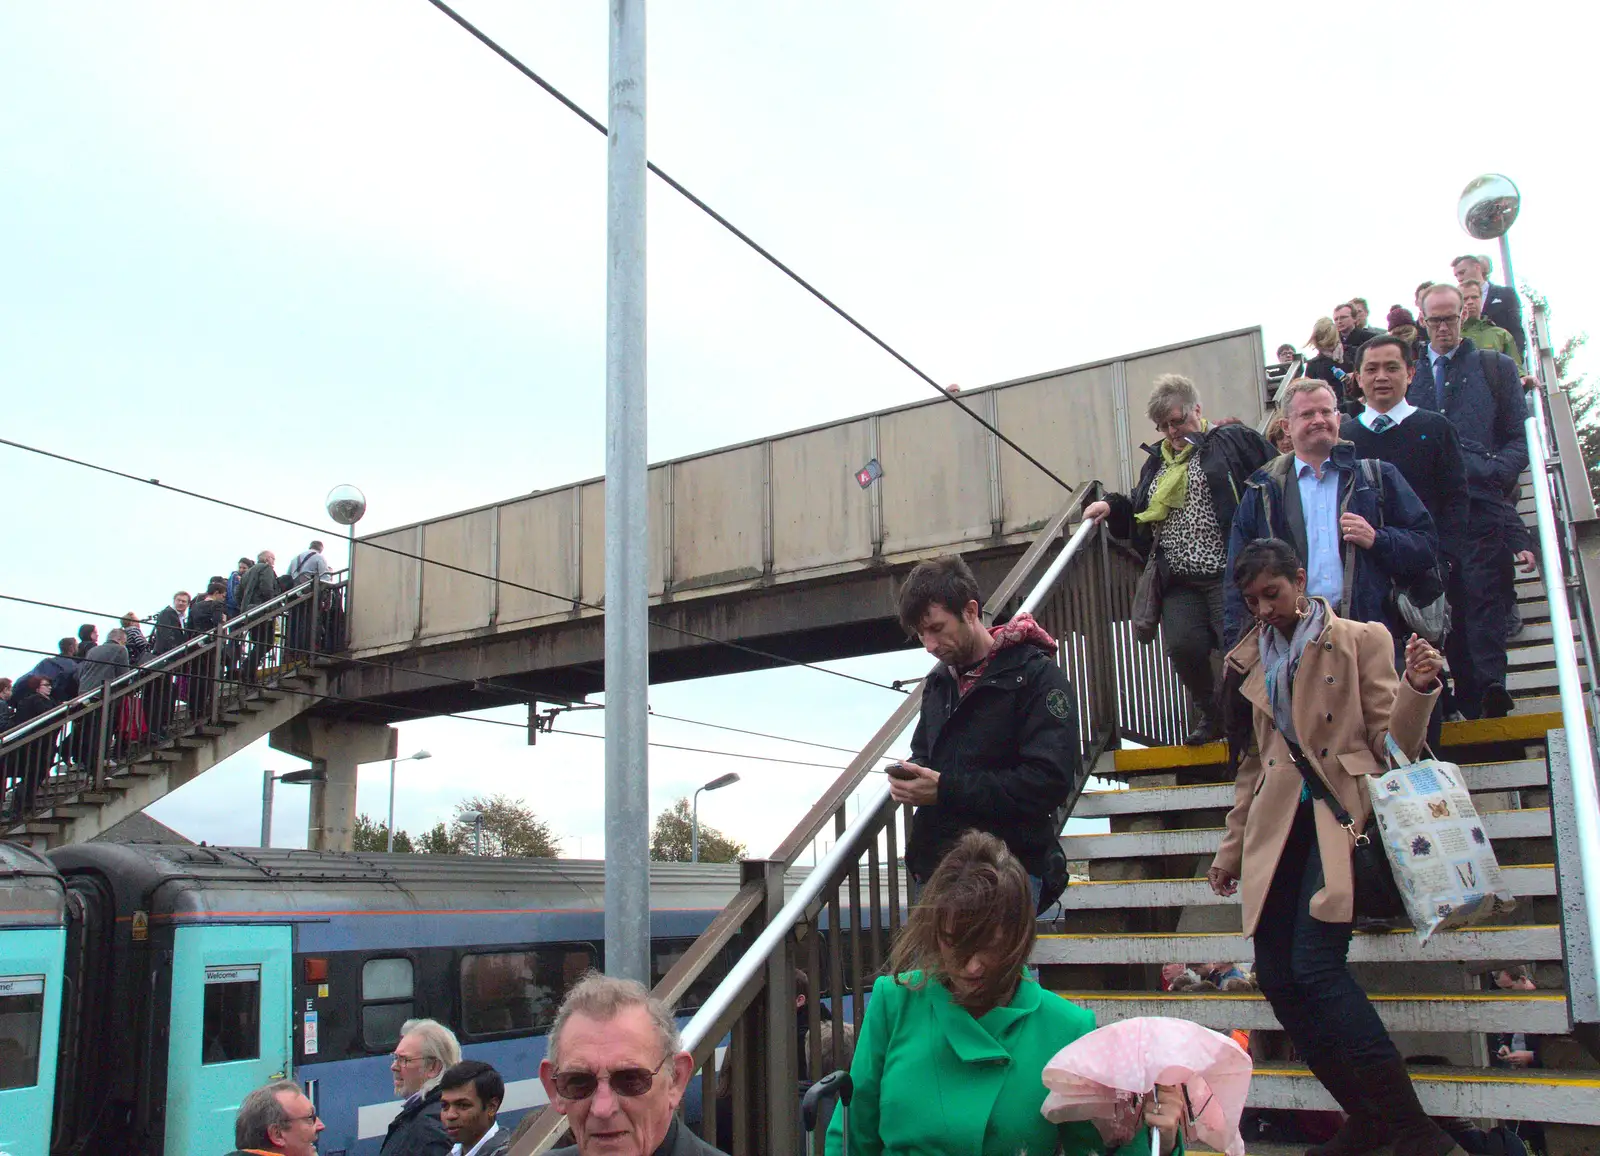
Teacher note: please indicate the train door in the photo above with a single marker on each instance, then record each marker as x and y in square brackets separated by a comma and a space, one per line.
[30, 1018]
[231, 1029]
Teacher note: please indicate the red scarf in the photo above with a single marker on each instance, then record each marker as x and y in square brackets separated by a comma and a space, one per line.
[1021, 629]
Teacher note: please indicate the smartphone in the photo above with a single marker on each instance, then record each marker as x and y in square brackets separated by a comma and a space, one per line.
[900, 771]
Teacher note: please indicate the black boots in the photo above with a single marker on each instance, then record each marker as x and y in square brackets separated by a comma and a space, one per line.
[1388, 1100]
[1364, 1129]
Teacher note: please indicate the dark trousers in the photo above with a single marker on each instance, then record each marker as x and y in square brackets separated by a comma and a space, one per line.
[1482, 593]
[1191, 627]
[1300, 962]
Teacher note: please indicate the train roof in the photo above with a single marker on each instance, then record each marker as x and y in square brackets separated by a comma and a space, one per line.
[164, 879]
[31, 892]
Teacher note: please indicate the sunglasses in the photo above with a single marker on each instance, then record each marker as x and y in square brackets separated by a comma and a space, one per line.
[628, 1082]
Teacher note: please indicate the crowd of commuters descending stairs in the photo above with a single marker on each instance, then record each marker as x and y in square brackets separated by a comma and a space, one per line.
[1147, 904]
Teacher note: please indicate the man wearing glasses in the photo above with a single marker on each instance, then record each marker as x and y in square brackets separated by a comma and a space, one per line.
[276, 1119]
[617, 1071]
[425, 1050]
[1481, 393]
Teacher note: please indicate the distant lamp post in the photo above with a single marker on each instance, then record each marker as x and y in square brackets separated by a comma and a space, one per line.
[268, 778]
[726, 780]
[1487, 209]
[476, 819]
[389, 844]
[347, 505]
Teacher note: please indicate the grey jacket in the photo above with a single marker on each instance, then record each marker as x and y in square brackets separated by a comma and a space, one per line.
[102, 664]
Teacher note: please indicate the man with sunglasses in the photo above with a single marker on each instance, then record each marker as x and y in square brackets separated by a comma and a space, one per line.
[277, 1120]
[617, 1071]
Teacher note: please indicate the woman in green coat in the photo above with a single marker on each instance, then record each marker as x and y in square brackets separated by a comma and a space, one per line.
[956, 1036]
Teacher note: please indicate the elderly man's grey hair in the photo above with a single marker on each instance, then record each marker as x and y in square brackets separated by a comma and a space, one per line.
[1171, 389]
[604, 997]
[438, 1046]
[117, 635]
[261, 1110]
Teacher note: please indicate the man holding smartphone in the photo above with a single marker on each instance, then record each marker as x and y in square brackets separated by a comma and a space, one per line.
[996, 746]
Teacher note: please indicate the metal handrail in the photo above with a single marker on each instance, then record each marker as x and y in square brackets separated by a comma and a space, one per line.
[185, 650]
[1580, 750]
[844, 852]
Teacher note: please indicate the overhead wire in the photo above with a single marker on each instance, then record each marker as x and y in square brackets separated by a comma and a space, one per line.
[422, 714]
[371, 545]
[470, 683]
[678, 187]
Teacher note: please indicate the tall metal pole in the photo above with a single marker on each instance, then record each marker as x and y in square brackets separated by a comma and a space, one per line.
[389, 843]
[267, 780]
[627, 674]
[694, 829]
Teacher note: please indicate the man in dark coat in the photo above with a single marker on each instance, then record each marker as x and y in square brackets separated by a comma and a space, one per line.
[62, 671]
[1351, 335]
[1481, 393]
[996, 745]
[425, 1051]
[1501, 305]
[258, 586]
[1190, 536]
[1354, 541]
[168, 633]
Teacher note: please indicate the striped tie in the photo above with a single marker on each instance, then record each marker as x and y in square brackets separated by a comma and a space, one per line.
[1382, 422]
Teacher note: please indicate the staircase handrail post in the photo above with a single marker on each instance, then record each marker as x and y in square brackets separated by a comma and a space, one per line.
[1585, 795]
[102, 745]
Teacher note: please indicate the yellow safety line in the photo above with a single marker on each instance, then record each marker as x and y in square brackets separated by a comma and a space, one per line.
[1486, 928]
[1375, 997]
[1203, 786]
[1201, 830]
[1201, 878]
[1546, 1076]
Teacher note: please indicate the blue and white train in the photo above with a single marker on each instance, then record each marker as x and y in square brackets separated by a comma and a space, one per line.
[145, 989]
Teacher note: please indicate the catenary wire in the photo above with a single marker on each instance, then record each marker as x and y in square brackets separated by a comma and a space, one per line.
[679, 188]
[447, 678]
[371, 545]
[324, 697]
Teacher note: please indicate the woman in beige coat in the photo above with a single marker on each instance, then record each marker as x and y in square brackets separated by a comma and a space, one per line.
[1329, 685]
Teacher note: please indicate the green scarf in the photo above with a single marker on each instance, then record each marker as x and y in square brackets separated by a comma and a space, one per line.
[1172, 491]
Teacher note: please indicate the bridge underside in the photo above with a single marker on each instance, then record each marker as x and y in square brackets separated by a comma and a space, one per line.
[846, 616]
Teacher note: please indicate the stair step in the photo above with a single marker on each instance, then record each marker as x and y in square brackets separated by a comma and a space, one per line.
[1210, 796]
[1135, 894]
[1541, 678]
[1542, 1012]
[1474, 945]
[1556, 1097]
[1530, 823]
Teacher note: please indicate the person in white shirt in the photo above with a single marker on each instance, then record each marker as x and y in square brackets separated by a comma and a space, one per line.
[470, 1094]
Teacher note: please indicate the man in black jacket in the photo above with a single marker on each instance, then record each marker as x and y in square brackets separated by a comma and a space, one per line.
[425, 1051]
[168, 635]
[1190, 536]
[1481, 393]
[996, 745]
[1501, 305]
[1352, 336]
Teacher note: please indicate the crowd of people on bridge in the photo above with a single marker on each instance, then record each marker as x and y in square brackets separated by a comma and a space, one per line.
[83, 663]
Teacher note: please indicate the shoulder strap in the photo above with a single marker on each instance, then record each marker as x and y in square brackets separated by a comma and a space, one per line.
[1318, 788]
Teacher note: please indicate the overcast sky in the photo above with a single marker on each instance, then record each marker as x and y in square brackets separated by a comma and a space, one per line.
[261, 250]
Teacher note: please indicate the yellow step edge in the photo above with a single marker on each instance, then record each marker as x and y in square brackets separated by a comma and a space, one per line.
[1202, 878]
[1469, 732]
[1202, 830]
[1203, 786]
[1543, 1076]
[1236, 934]
[1375, 997]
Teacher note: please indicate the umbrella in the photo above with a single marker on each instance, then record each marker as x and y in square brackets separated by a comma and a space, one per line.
[1103, 1076]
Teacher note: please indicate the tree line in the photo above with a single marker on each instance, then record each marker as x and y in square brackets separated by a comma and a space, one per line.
[510, 828]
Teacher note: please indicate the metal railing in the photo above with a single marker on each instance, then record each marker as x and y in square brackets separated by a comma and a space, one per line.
[1574, 795]
[839, 925]
[71, 749]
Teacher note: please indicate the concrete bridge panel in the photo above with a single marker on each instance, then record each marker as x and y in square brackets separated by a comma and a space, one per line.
[539, 547]
[386, 612]
[453, 601]
[936, 471]
[719, 518]
[819, 512]
[1069, 422]
[1229, 373]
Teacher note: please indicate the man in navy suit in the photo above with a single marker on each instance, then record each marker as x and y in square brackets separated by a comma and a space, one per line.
[1501, 305]
[1481, 393]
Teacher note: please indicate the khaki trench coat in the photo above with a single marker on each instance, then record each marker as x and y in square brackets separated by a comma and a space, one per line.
[1347, 697]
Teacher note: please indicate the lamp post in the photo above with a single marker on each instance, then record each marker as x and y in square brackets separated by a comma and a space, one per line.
[476, 819]
[268, 778]
[389, 844]
[1487, 209]
[726, 780]
[346, 505]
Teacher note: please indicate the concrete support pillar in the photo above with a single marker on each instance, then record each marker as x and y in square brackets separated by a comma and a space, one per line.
[336, 748]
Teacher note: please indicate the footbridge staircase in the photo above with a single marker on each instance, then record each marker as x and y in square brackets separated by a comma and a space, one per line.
[1139, 899]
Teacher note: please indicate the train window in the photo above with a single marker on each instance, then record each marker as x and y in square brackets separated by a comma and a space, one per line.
[232, 1017]
[664, 953]
[518, 992]
[386, 1001]
[21, 1017]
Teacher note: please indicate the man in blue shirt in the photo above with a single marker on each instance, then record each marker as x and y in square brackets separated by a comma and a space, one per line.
[1355, 541]
[1480, 391]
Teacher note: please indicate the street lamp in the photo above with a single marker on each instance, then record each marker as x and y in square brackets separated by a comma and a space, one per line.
[1487, 209]
[268, 778]
[346, 505]
[726, 780]
[389, 846]
[476, 819]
